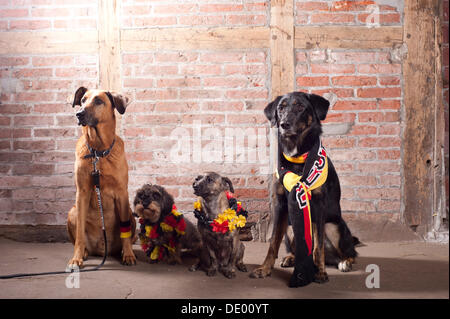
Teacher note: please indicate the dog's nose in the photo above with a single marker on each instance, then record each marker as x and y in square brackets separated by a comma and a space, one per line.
[285, 125]
[80, 114]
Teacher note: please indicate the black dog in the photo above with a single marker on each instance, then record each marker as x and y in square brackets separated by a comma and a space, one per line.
[297, 116]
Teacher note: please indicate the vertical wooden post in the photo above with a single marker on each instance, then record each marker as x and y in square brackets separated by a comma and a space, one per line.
[420, 78]
[282, 72]
[282, 46]
[109, 48]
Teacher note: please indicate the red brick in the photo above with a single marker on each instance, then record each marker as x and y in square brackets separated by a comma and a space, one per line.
[178, 82]
[389, 80]
[346, 57]
[389, 104]
[363, 130]
[379, 92]
[201, 20]
[357, 180]
[332, 68]
[247, 69]
[379, 193]
[376, 168]
[246, 19]
[33, 120]
[175, 9]
[176, 57]
[389, 129]
[34, 145]
[225, 82]
[15, 109]
[344, 105]
[386, 18]
[33, 169]
[356, 205]
[154, 21]
[181, 107]
[220, 7]
[29, 24]
[388, 154]
[354, 80]
[52, 60]
[378, 117]
[340, 118]
[311, 6]
[13, 13]
[55, 132]
[331, 18]
[340, 93]
[380, 68]
[339, 142]
[351, 5]
[313, 81]
[13, 61]
[379, 142]
[222, 57]
[50, 12]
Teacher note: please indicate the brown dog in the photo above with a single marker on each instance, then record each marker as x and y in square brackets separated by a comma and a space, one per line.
[155, 206]
[84, 222]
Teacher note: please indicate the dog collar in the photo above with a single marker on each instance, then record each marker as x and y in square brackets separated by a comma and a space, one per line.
[297, 160]
[232, 218]
[173, 226]
[96, 153]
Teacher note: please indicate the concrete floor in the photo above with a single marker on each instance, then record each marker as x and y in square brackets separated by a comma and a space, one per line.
[407, 270]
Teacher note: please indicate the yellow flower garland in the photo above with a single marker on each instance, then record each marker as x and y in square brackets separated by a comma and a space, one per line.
[229, 215]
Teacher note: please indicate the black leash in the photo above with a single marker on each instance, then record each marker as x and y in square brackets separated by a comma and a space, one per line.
[96, 179]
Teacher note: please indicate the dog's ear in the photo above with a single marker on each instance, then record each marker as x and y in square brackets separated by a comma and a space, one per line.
[320, 105]
[78, 96]
[118, 101]
[167, 202]
[226, 181]
[271, 111]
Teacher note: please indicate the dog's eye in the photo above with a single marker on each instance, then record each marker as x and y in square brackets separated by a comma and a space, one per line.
[208, 179]
[83, 100]
[98, 101]
[156, 196]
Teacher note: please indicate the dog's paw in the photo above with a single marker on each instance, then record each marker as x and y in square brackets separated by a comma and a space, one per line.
[211, 272]
[75, 262]
[260, 272]
[129, 259]
[194, 267]
[241, 267]
[229, 273]
[321, 277]
[345, 265]
[288, 261]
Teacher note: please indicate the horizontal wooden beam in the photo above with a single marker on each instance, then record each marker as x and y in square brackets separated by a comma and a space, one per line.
[346, 37]
[194, 38]
[305, 37]
[49, 42]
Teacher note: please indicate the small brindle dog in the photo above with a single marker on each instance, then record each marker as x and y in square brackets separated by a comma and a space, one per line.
[223, 252]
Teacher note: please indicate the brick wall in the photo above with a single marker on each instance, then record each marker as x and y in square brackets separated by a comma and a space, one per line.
[179, 89]
[362, 130]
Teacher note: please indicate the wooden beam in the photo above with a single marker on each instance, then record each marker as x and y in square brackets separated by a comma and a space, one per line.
[49, 42]
[419, 74]
[282, 46]
[347, 37]
[194, 39]
[109, 40]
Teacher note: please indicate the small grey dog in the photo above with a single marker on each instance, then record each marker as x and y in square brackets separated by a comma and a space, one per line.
[221, 251]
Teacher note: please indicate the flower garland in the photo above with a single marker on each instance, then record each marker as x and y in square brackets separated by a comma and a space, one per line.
[173, 223]
[232, 218]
